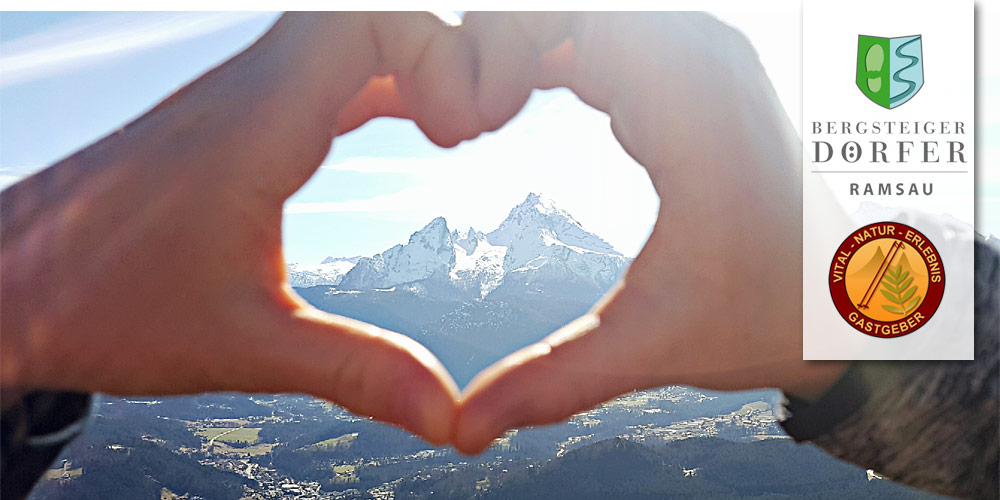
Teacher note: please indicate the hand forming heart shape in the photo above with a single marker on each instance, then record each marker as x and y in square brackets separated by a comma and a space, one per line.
[151, 263]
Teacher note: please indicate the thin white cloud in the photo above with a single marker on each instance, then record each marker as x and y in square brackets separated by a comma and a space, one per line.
[393, 202]
[74, 44]
[20, 170]
[7, 180]
[12, 174]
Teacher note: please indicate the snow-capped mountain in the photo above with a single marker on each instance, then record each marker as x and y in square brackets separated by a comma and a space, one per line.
[537, 243]
[328, 272]
[545, 242]
[430, 252]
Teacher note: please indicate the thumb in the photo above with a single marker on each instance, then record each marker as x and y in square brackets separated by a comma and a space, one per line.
[365, 369]
[579, 366]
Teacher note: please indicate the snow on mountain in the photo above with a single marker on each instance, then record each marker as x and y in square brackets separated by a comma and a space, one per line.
[545, 242]
[537, 242]
[328, 272]
[430, 252]
[538, 213]
[478, 264]
[468, 241]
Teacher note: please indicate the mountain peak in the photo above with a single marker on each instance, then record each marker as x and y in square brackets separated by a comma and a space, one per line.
[538, 218]
[436, 225]
[434, 235]
[542, 204]
[533, 198]
[429, 252]
[537, 241]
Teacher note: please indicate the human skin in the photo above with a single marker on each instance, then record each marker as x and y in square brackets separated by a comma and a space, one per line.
[713, 300]
[150, 262]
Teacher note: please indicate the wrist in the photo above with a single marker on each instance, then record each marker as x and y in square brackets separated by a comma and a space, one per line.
[25, 251]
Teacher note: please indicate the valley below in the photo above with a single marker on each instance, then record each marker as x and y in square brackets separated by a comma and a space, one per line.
[470, 297]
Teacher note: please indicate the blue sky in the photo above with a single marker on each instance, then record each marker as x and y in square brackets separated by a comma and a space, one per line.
[67, 79]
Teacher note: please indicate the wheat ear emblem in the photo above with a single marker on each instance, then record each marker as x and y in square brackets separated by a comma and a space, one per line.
[896, 287]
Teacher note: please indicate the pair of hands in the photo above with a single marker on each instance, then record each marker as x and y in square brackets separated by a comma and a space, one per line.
[150, 262]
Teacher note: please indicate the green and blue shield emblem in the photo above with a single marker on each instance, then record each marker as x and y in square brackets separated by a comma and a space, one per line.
[890, 70]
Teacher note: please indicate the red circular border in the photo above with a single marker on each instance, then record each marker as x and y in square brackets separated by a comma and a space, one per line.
[844, 305]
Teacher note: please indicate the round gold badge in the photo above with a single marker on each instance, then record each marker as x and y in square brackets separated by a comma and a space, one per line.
[886, 279]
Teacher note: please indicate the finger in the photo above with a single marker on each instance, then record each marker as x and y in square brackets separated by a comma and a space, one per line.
[507, 64]
[583, 364]
[365, 369]
[552, 34]
[379, 98]
[585, 52]
[439, 92]
[520, 51]
[509, 52]
[557, 67]
[433, 65]
[426, 75]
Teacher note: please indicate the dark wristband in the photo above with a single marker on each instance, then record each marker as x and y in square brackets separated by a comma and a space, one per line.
[811, 420]
[33, 433]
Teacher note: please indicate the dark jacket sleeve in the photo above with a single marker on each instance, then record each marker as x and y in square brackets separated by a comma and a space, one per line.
[931, 425]
[33, 433]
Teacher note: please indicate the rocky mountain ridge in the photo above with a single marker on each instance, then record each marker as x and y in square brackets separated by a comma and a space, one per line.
[537, 243]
